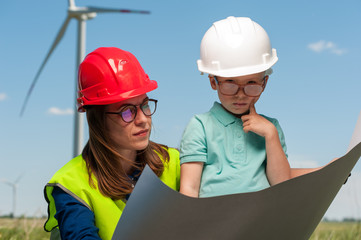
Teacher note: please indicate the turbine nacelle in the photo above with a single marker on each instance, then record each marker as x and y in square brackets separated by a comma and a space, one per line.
[81, 13]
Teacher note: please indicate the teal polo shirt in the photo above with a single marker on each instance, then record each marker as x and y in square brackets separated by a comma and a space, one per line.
[234, 161]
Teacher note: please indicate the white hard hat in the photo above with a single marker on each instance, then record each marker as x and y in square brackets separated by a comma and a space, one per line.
[236, 47]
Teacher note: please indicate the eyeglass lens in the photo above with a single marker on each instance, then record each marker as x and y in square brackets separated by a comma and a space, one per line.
[253, 90]
[129, 112]
[229, 88]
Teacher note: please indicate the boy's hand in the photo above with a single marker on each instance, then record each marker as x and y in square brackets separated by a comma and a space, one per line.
[255, 123]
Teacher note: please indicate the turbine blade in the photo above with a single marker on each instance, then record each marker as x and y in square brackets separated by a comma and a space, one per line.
[71, 3]
[5, 181]
[19, 177]
[10, 184]
[55, 43]
[106, 10]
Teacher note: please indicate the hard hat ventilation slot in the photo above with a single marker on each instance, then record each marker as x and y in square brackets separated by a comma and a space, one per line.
[266, 58]
[216, 65]
[103, 92]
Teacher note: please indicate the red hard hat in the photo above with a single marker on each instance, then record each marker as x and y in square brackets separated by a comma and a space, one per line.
[109, 75]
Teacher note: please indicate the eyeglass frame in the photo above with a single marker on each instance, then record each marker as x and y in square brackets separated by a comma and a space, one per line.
[263, 85]
[146, 100]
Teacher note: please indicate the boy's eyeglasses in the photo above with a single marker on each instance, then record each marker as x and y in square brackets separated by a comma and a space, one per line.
[128, 112]
[249, 89]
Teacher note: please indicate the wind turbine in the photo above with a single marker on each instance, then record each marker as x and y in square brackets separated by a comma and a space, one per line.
[14, 186]
[81, 14]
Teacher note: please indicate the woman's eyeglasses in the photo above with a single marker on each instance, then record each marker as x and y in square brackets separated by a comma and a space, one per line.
[249, 89]
[128, 112]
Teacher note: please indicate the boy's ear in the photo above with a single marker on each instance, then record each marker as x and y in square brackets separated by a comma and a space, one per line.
[212, 81]
[265, 80]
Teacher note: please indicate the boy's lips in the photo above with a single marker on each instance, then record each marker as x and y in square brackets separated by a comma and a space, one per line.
[240, 104]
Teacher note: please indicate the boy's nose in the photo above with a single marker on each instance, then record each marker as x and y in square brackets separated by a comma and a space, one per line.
[240, 92]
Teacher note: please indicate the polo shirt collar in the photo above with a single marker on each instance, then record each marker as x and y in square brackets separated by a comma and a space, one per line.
[222, 115]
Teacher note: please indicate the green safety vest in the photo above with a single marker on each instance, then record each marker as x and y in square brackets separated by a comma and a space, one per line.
[73, 178]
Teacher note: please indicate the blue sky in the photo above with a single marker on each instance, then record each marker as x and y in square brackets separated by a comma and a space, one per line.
[314, 91]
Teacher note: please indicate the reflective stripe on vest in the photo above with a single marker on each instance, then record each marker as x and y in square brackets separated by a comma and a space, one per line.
[73, 179]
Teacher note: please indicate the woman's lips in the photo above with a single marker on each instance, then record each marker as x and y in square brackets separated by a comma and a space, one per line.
[142, 133]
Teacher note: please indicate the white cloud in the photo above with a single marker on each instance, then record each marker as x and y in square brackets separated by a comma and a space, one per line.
[322, 45]
[3, 96]
[58, 111]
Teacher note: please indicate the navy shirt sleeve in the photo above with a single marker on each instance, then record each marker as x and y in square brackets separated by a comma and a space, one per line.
[75, 220]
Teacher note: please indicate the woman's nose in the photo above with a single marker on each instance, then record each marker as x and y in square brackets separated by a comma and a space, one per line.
[141, 117]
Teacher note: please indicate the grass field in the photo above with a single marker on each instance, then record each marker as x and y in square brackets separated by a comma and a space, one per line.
[337, 231]
[22, 229]
[32, 229]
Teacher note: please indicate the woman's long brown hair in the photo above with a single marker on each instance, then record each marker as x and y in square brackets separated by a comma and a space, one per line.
[104, 162]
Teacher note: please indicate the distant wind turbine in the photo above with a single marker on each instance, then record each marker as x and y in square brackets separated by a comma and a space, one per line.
[14, 186]
[81, 14]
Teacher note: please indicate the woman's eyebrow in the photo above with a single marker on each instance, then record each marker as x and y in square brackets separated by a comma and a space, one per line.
[130, 104]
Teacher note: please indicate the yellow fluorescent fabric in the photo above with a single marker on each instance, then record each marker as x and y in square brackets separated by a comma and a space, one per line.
[73, 179]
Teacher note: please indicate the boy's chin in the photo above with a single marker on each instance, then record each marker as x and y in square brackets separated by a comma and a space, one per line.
[239, 113]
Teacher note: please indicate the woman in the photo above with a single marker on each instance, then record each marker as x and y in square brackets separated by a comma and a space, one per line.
[86, 197]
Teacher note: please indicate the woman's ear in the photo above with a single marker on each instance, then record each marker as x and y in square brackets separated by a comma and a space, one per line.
[212, 81]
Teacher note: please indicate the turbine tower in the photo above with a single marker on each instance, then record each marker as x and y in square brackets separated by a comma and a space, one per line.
[81, 14]
[14, 186]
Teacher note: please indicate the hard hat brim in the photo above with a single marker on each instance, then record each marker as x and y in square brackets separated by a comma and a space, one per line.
[152, 85]
[236, 72]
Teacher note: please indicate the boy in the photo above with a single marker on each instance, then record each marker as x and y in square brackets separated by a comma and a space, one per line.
[231, 148]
